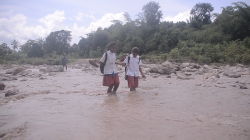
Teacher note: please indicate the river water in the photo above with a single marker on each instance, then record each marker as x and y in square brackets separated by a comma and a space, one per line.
[74, 106]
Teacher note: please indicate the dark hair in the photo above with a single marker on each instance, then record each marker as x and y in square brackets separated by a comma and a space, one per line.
[112, 43]
[135, 50]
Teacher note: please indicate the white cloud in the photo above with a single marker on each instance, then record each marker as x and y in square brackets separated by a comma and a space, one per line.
[6, 14]
[80, 17]
[54, 21]
[104, 22]
[15, 27]
[182, 16]
[90, 16]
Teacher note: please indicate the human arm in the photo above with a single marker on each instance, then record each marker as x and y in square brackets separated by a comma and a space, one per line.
[124, 63]
[140, 69]
[119, 63]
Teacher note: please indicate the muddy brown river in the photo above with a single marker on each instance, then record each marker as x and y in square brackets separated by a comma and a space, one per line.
[73, 105]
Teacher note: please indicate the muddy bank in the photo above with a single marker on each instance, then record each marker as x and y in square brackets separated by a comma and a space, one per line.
[175, 101]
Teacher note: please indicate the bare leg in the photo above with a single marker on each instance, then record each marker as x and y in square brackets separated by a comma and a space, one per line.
[132, 89]
[116, 87]
[65, 67]
[109, 89]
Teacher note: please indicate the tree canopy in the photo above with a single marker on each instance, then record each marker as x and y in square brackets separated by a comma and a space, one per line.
[152, 13]
[201, 14]
[58, 41]
[224, 39]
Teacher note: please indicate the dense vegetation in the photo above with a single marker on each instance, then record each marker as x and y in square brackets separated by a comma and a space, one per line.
[224, 39]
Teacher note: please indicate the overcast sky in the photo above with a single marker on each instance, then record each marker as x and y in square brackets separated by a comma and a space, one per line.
[31, 19]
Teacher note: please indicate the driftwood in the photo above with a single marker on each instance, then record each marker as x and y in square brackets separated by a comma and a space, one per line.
[94, 63]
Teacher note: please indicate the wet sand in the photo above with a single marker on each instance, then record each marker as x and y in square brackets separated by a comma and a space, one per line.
[74, 105]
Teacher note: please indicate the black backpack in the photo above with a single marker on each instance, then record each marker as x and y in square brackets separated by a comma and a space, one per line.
[126, 76]
[103, 64]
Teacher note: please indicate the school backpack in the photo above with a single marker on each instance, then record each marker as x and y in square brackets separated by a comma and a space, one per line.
[103, 64]
[126, 76]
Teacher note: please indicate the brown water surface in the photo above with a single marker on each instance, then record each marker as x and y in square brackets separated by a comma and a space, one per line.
[74, 106]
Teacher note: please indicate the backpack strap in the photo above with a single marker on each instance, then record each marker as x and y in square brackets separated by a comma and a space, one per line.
[105, 58]
[127, 65]
[128, 59]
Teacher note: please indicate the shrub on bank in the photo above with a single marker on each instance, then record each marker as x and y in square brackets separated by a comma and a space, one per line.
[174, 54]
[2, 61]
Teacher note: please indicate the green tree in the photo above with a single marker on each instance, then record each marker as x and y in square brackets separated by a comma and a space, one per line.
[100, 39]
[201, 14]
[36, 50]
[41, 41]
[140, 20]
[82, 44]
[152, 13]
[234, 21]
[15, 44]
[89, 43]
[4, 50]
[58, 41]
[74, 48]
[127, 17]
[25, 48]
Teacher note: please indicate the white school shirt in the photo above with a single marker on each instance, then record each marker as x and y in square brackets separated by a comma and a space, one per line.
[110, 66]
[133, 66]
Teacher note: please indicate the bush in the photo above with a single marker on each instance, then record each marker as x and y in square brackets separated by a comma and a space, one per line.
[234, 52]
[95, 54]
[155, 58]
[193, 56]
[174, 54]
[203, 59]
[2, 61]
[246, 42]
[57, 61]
[214, 53]
[246, 57]
[21, 61]
[12, 57]
[37, 61]
[184, 51]
[74, 55]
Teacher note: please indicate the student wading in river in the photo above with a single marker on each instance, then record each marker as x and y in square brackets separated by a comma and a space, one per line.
[133, 63]
[110, 77]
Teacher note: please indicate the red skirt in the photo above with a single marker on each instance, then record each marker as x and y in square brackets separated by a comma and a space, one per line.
[132, 81]
[110, 81]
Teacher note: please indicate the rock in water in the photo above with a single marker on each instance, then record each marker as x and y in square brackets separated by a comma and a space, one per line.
[11, 93]
[2, 86]
[242, 85]
[94, 63]
[232, 74]
[166, 68]
[2, 135]
[184, 77]
[154, 70]
[17, 70]
[9, 72]
[168, 76]
[206, 67]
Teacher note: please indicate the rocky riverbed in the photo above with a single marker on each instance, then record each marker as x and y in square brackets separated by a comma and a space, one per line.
[175, 101]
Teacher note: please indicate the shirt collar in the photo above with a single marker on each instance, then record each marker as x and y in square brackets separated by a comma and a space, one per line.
[110, 52]
[131, 55]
